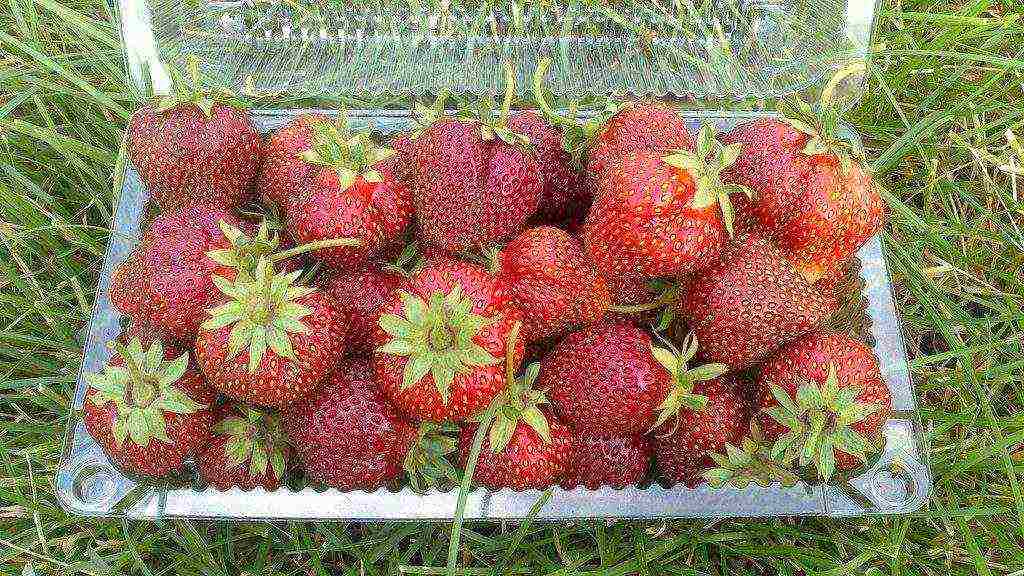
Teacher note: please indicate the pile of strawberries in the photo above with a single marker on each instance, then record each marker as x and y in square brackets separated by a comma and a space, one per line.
[544, 301]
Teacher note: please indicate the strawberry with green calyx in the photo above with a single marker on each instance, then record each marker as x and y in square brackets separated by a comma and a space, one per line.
[148, 409]
[611, 380]
[195, 146]
[662, 214]
[246, 249]
[249, 448]
[477, 181]
[348, 437]
[284, 173]
[684, 378]
[526, 447]
[350, 193]
[271, 341]
[823, 402]
[749, 462]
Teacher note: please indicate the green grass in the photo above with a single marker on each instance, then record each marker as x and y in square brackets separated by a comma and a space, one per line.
[945, 88]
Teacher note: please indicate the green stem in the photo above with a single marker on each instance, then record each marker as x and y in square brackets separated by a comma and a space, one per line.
[538, 94]
[510, 93]
[317, 245]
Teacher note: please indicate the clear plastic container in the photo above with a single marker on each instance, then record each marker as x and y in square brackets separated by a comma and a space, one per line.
[715, 54]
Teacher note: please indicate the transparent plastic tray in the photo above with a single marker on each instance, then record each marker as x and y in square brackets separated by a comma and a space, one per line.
[702, 49]
[898, 482]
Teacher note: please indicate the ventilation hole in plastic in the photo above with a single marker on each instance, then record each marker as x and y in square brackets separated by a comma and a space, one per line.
[94, 485]
[893, 487]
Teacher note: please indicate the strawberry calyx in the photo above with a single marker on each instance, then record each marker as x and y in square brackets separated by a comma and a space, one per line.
[437, 337]
[426, 463]
[256, 437]
[192, 91]
[749, 463]
[245, 251]
[496, 125]
[142, 390]
[352, 156]
[819, 421]
[683, 378]
[518, 402]
[821, 123]
[577, 135]
[705, 166]
[263, 311]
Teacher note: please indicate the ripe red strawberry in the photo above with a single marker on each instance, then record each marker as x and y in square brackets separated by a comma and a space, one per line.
[284, 172]
[563, 196]
[661, 215]
[616, 461]
[348, 437]
[552, 282]
[349, 193]
[440, 339]
[195, 147]
[167, 281]
[814, 194]
[823, 401]
[476, 181]
[611, 380]
[248, 449]
[270, 341]
[525, 446]
[148, 409]
[753, 302]
[362, 293]
[683, 445]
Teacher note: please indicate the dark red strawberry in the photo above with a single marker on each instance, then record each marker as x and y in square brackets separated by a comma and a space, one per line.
[658, 214]
[167, 282]
[525, 446]
[350, 193]
[473, 187]
[270, 341]
[823, 402]
[750, 304]
[611, 380]
[616, 461]
[248, 449]
[563, 196]
[814, 194]
[552, 282]
[149, 409]
[441, 339]
[361, 293]
[284, 172]
[195, 147]
[348, 437]
[683, 445]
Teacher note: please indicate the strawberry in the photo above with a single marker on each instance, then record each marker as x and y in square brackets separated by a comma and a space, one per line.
[611, 380]
[750, 304]
[167, 281]
[348, 193]
[302, 327]
[362, 293]
[823, 401]
[476, 180]
[683, 445]
[284, 172]
[195, 147]
[748, 462]
[248, 449]
[525, 446]
[658, 214]
[563, 196]
[616, 461]
[552, 282]
[439, 340]
[814, 194]
[148, 409]
[348, 437]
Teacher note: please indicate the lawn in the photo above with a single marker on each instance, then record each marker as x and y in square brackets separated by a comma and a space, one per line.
[946, 94]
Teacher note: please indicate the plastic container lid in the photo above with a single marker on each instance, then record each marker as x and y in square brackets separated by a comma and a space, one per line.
[709, 50]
